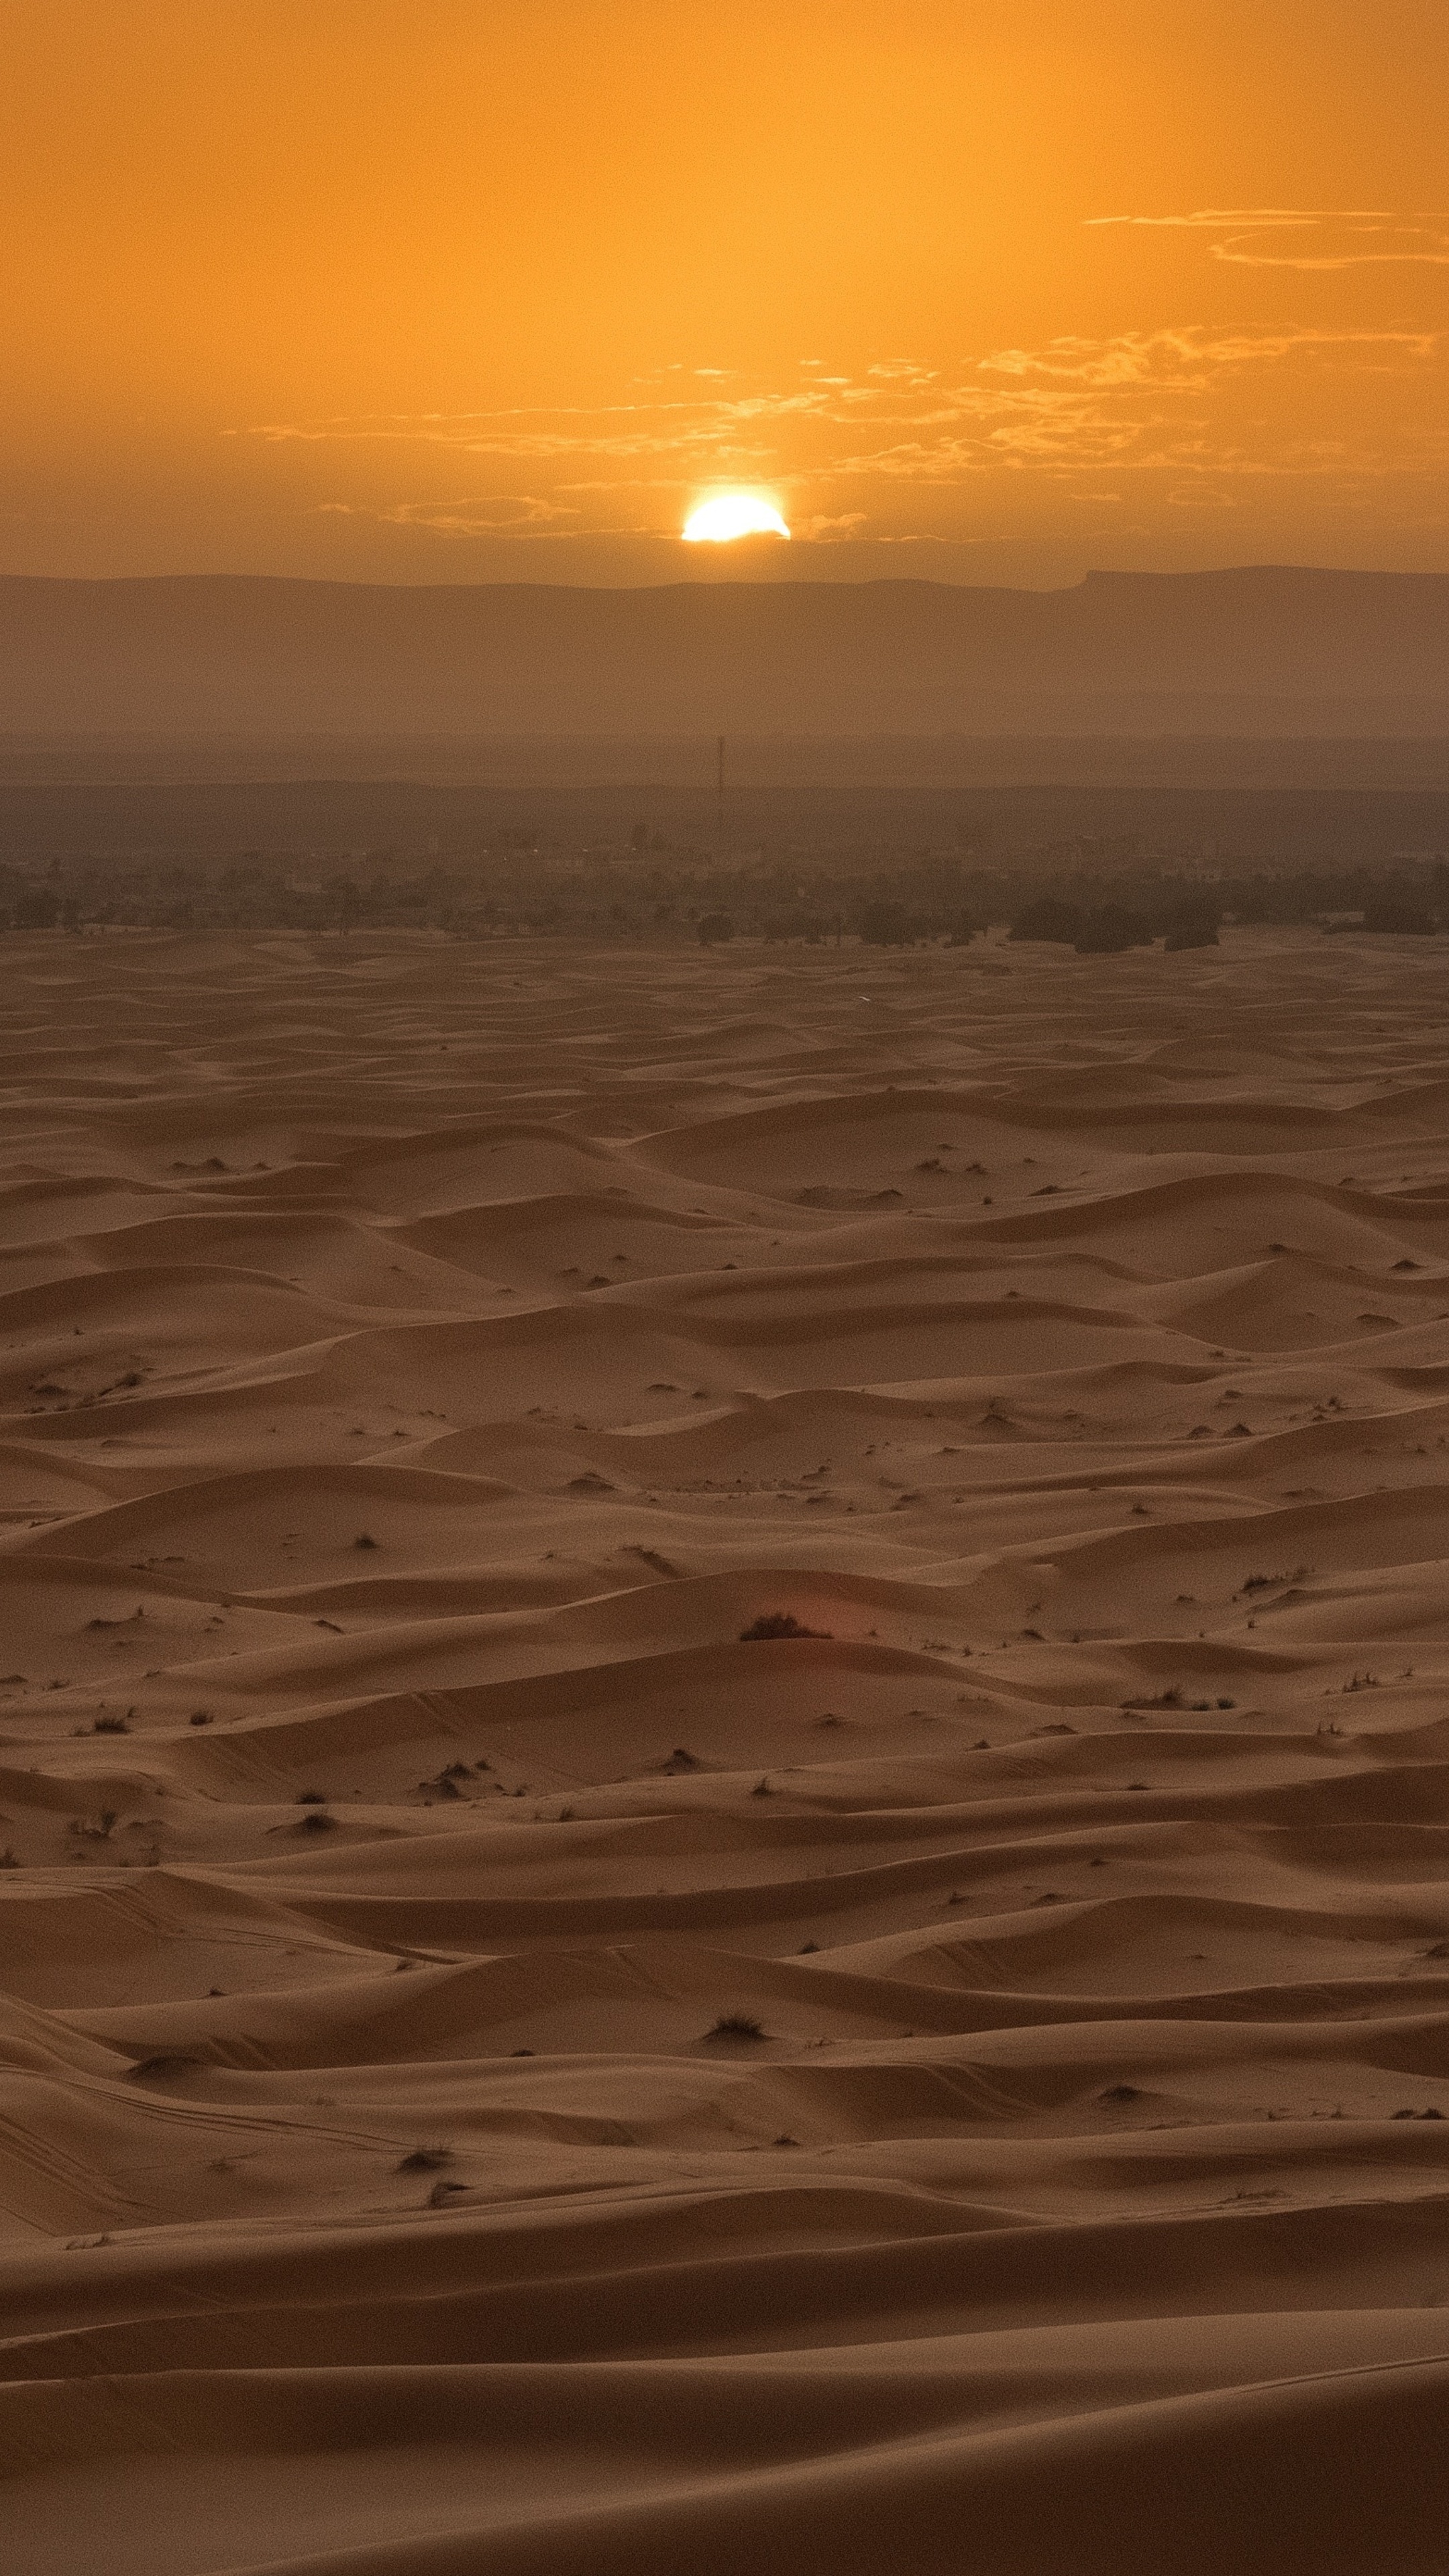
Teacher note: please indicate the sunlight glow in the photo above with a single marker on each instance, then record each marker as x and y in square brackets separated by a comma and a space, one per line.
[730, 515]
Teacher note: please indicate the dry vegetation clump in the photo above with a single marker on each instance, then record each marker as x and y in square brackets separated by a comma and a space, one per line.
[773, 1624]
[98, 1829]
[736, 2026]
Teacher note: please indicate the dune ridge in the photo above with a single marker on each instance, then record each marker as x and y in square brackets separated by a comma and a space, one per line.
[723, 1832]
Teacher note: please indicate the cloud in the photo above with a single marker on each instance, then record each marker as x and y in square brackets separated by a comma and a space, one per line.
[1190, 358]
[1364, 237]
[1195, 409]
[1142, 402]
[524, 514]
[1235, 218]
[824, 531]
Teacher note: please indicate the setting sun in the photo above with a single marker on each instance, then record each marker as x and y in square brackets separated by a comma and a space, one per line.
[730, 515]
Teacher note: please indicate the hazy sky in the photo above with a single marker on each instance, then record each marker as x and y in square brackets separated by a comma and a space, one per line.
[495, 289]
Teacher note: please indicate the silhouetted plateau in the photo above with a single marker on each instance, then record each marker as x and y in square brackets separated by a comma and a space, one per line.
[1259, 649]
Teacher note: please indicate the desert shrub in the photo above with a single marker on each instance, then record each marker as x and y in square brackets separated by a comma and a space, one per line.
[887, 925]
[777, 1623]
[1192, 925]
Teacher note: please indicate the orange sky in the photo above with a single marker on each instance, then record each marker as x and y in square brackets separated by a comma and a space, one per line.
[453, 290]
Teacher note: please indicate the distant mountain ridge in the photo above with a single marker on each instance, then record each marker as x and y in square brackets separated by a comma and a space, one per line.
[183, 653]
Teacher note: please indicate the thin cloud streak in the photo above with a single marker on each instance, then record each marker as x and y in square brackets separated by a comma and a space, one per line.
[1412, 241]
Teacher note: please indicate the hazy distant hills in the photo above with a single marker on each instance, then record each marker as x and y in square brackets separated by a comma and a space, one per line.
[1257, 651]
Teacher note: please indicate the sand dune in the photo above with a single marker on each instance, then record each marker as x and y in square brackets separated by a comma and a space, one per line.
[503, 2068]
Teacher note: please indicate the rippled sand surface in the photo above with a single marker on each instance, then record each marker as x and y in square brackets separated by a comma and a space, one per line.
[503, 2073]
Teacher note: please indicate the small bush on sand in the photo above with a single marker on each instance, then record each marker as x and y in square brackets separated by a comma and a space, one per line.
[777, 1623]
[736, 2026]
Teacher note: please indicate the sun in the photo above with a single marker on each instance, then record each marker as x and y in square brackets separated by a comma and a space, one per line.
[733, 514]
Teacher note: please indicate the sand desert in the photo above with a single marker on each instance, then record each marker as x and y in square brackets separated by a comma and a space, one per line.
[505, 2071]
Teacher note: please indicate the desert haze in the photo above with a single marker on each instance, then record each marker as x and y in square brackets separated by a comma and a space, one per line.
[723, 1758]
